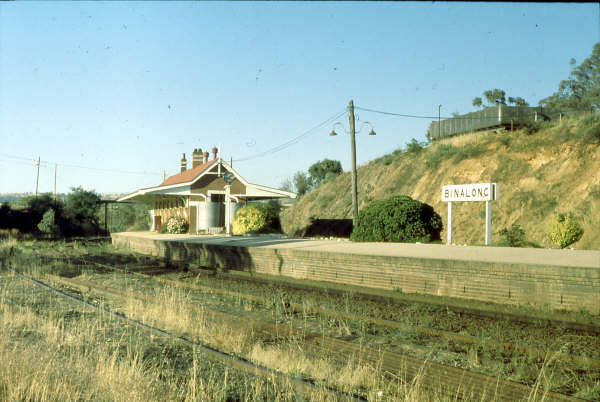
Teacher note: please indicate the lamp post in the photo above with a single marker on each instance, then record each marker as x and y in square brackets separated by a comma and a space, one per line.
[353, 156]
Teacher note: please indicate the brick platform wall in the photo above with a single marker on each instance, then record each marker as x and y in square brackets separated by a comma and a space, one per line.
[558, 287]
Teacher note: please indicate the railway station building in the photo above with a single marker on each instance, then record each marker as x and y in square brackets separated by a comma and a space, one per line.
[206, 196]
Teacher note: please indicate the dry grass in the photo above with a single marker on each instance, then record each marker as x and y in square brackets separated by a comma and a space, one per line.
[556, 166]
[60, 353]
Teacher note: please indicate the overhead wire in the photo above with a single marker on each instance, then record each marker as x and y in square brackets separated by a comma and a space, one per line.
[291, 141]
[43, 163]
[434, 117]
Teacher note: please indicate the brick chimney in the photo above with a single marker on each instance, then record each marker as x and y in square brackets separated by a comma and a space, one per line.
[196, 157]
[205, 157]
[183, 163]
[214, 153]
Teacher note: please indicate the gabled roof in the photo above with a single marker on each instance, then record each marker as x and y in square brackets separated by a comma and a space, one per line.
[179, 184]
[187, 175]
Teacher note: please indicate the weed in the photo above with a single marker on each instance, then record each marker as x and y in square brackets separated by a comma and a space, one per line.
[595, 192]
[414, 147]
[590, 129]
[513, 237]
[441, 153]
[505, 140]
[469, 151]
[387, 160]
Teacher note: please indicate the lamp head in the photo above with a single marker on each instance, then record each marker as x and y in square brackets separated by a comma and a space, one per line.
[332, 133]
[372, 132]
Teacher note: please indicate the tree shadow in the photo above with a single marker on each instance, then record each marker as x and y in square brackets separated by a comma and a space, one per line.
[327, 228]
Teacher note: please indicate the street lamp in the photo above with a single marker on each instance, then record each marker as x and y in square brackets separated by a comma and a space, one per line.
[353, 155]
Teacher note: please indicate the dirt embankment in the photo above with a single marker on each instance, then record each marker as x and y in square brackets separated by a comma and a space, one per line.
[553, 170]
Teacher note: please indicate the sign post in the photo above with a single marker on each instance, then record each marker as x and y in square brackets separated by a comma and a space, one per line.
[471, 192]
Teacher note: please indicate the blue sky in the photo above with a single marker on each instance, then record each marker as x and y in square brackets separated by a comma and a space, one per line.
[116, 92]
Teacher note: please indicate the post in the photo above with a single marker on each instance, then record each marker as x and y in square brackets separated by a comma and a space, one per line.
[227, 209]
[449, 228]
[353, 162]
[439, 124]
[55, 182]
[105, 219]
[37, 179]
[488, 223]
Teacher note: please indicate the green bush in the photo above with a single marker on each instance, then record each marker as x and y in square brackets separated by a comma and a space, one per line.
[249, 218]
[564, 230]
[271, 209]
[163, 229]
[397, 219]
[513, 237]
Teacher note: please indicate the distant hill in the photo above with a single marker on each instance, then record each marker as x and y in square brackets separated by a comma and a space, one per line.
[538, 173]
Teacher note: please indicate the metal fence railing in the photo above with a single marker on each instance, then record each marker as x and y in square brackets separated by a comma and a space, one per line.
[492, 117]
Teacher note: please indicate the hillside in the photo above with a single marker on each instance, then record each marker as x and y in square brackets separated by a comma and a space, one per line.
[553, 169]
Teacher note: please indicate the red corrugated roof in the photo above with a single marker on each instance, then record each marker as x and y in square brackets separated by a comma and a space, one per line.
[187, 175]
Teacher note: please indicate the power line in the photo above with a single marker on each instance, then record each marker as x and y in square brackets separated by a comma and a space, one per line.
[463, 117]
[292, 141]
[395, 114]
[33, 161]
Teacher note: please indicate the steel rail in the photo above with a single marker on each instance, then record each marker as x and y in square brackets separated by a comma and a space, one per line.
[305, 386]
[152, 379]
[386, 295]
[432, 375]
[580, 361]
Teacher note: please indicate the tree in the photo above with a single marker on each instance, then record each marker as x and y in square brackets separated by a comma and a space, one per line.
[48, 223]
[318, 171]
[302, 183]
[477, 102]
[581, 91]
[518, 101]
[286, 185]
[83, 205]
[493, 95]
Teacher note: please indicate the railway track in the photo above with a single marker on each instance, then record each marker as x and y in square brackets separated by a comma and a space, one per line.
[379, 295]
[432, 375]
[302, 386]
[580, 361]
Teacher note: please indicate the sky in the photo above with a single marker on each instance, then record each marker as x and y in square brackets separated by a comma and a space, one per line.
[113, 93]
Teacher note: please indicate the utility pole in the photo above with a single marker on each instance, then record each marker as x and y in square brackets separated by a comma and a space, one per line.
[439, 124]
[55, 182]
[353, 161]
[37, 179]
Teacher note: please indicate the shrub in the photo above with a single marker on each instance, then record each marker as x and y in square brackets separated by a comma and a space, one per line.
[564, 230]
[176, 225]
[414, 147]
[48, 223]
[590, 129]
[533, 127]
[513, 237]
[271, 209]
[397, 219]
[249, 218]
[387, 160]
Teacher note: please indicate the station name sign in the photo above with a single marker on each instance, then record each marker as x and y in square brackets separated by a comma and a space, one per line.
[469, 192]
